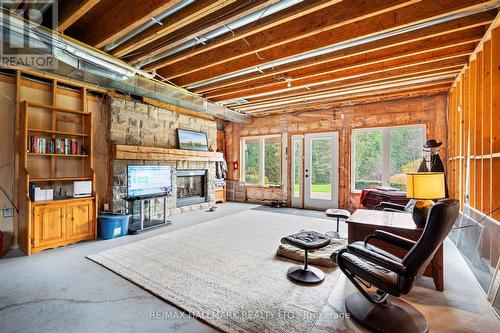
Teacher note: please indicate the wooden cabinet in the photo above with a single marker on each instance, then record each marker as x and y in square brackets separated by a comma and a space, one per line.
[79, 220]
[49, 225]
[220, 194]
[62, 222]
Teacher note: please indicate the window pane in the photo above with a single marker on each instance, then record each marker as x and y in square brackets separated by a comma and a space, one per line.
[296, 168]
[406, 153]
[367, 159]
[252, 161]
[321, 173]
[272, 161]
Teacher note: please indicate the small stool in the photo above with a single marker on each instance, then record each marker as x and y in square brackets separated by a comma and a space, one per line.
[306, 240]
[336, 213]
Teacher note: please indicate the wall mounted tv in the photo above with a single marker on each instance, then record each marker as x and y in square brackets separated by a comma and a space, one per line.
[191, 140]
[149, 180]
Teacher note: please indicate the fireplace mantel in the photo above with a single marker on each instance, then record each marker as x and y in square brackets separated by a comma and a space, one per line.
[127, 152]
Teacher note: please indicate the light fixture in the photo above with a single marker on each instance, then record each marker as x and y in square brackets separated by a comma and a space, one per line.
[424, 187]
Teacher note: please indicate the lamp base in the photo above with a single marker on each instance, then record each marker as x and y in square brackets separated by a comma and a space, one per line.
[420, 211]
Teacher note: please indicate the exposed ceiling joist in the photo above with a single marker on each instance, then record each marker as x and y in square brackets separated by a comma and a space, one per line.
[372, 58]
[329, 18]
[370, 80]
[396, 19]
[460, 52]
[72, 11]
[214, 20]
[445, 33]
[122, 18]
[262, 25]
[273, 56]
[193, 12]
[354, 100]
[441, 84]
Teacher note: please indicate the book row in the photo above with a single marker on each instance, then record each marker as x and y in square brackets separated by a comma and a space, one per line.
[66, 146]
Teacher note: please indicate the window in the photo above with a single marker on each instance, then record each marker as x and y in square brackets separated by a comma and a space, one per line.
[261, 160]
[382, 156]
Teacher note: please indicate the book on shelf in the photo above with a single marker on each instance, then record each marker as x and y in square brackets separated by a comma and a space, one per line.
[62, 146]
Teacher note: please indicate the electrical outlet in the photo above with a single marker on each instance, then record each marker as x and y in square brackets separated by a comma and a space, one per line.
[8, 212]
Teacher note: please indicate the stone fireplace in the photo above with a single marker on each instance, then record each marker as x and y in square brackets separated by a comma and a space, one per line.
[191, 187]
[139, 126]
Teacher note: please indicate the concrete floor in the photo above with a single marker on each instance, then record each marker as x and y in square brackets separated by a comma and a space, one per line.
[61, 291]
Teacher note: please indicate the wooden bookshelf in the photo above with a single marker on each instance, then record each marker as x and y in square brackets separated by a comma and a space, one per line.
[57, 155]
[58, 179]
[64, 220]
[58, 133]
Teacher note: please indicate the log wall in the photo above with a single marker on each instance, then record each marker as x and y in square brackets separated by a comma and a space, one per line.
[428, 110]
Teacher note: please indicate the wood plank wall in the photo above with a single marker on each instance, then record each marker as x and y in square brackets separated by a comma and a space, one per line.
[474, 129]
[428, 110]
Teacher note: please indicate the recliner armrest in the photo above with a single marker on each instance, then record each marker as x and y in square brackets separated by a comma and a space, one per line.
[384, 204]
[393, 239]
[365, 253]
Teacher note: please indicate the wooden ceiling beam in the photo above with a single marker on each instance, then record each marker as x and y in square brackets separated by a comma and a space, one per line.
[370, 58]
[214, 20]
[459, 52]
[370, 81]
[400, 18]
[122, 18]
[303, 27]
[445, 33]
[71, 11]
[264, 24]
[356, 101]
[189, 14]
[442, 84]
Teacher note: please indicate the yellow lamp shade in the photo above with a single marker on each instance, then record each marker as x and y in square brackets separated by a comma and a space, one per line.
[425, 185]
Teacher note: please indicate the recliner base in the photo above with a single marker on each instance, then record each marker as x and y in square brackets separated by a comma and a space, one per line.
[393, 316]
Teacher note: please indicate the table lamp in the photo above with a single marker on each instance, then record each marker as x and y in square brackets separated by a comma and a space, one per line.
[424, 187]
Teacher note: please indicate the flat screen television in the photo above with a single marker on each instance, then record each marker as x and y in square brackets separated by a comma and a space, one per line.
[149, 180]
[191, 140]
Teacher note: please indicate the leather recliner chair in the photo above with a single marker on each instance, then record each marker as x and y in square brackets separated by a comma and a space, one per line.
[368, 265]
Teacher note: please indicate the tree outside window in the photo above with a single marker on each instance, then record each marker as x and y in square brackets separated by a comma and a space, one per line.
[262, 160]
[383, 156]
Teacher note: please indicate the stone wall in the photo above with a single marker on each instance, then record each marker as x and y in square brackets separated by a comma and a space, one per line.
[136, 123]
[140, 124]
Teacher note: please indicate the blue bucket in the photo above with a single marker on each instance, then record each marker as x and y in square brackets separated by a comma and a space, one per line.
[112, 225]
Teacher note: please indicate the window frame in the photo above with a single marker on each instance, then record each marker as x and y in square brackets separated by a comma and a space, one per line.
[386, 150]
[262, 140]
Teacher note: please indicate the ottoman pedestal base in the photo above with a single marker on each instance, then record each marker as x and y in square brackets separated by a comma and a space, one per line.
[305, 275]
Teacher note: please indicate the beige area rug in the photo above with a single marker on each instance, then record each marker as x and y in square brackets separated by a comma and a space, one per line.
[226, 272]
[320, 257]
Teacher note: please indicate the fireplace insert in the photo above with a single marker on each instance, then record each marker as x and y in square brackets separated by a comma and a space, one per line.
[191, 187]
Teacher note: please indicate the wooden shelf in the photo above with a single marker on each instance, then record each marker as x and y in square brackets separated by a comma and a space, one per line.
[125, 152]
[41, 222]
[56, 109]
[56, 132]
[58, 179]
[58, 155]
[64, 200]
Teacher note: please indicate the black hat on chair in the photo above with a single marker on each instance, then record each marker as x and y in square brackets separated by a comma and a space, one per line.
[432, 143]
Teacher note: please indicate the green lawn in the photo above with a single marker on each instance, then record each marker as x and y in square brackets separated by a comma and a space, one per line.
[316, 188]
